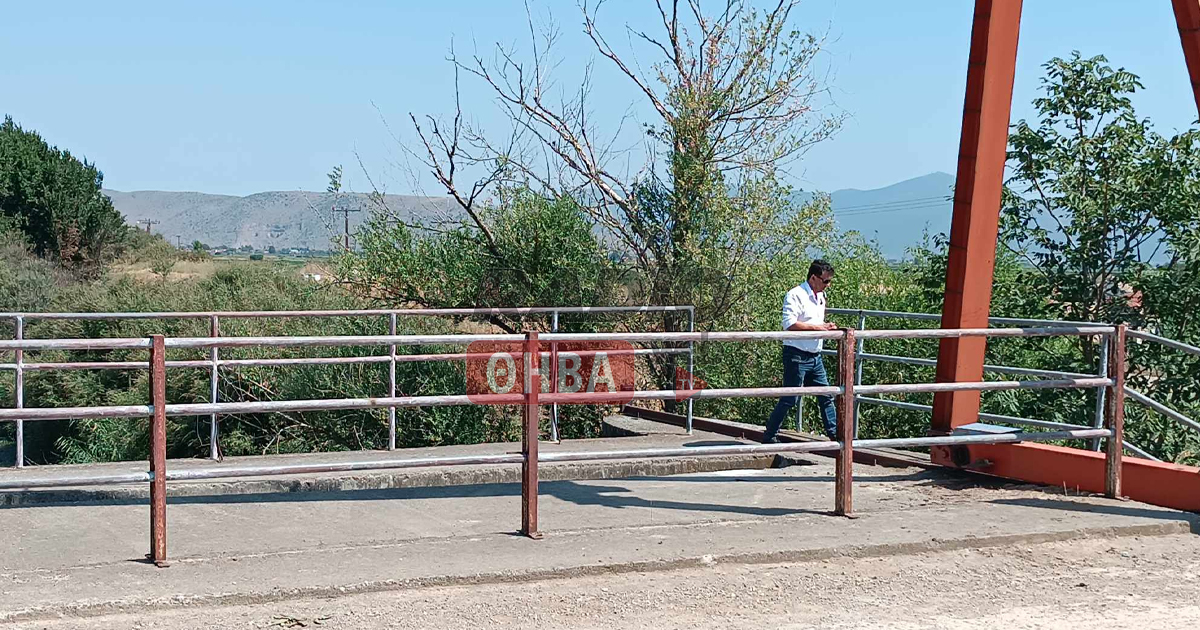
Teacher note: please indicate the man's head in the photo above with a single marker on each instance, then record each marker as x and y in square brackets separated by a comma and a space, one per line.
[820, 275]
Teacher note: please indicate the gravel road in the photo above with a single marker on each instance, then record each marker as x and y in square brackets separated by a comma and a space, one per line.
[1149, 582]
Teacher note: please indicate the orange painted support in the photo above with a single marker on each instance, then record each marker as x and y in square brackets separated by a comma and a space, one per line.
[974, 227]
[1156, 483]
[1187, 17]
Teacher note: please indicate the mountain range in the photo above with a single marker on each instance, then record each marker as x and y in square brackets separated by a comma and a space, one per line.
[280, 219]
[895, 216]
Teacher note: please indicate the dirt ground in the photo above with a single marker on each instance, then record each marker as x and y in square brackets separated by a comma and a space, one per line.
[1148, 582]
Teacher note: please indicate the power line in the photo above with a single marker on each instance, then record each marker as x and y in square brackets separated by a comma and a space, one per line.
[887, 204]
[925, 206]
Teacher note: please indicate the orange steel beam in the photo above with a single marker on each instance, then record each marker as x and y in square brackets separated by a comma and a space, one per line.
[974, 227]
[1187, 17]
[1156, 483]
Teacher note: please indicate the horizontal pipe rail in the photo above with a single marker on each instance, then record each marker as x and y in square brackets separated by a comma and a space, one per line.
[218, 472]
[667, 394]
[1163, 409]
[989, 438]
[984, 386]
[1170, 343]
[689, 451]
[412, 312]
[336, 341]
[995, 417]
[998, 369]
[58, 481]
[933, 317]
[191, 409]
[222, 472]
[947, 333]
[74, 344]
[385, 340]
[400, 358]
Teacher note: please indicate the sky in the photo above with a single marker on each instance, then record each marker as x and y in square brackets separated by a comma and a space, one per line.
[242, 97]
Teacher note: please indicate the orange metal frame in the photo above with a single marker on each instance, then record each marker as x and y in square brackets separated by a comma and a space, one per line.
[972, 255]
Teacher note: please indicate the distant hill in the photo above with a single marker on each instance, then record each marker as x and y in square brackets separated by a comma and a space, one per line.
[282, 219]
[896, 216]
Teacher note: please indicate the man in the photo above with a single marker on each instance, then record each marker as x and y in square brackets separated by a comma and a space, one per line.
[804, 309]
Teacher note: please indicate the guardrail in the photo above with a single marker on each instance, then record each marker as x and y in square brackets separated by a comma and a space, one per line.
[531, 398]
[1098, 417]
[215, 363]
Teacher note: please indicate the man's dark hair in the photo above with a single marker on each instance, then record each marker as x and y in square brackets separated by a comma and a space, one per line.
[819, 268]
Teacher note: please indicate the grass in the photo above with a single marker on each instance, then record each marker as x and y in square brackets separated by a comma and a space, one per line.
[197, 269]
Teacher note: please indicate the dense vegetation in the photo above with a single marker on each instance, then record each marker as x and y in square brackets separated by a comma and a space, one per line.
[1100, 223]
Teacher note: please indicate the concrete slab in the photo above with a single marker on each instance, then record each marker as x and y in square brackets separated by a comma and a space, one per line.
[88, 559]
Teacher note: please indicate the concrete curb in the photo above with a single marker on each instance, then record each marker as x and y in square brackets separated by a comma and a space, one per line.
[414, 478]
[101, 608]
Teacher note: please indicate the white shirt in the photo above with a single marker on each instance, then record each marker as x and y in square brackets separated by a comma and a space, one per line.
[801, 304]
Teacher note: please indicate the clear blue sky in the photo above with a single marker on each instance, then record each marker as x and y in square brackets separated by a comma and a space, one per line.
[241, 97]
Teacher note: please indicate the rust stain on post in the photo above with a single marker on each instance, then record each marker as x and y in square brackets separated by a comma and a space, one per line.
[158, 451]
[1114, 403]
[844, 500]
[529, 439]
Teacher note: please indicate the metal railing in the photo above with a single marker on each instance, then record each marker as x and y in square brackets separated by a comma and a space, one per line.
[1102, 371]
[214, 363]
[531, 399]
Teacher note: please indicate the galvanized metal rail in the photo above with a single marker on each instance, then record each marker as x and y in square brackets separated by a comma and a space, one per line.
[1101, 393]
[214, 363]
[531, 399]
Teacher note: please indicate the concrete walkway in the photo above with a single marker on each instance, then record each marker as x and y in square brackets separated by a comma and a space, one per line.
[87, 558]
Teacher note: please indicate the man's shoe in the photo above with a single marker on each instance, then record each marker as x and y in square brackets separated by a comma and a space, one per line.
[770, 440]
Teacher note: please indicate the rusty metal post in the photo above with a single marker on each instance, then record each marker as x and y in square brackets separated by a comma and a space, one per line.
[1115, 414]
[975, 223]
[844, 501]
[158, 451]
[1187, 18]
[529, 438]
[554, 380]
[214, 377]
[392, 383]
[19, 387]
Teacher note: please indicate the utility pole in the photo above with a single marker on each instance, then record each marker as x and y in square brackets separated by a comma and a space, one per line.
[178, 241]
[335, 189]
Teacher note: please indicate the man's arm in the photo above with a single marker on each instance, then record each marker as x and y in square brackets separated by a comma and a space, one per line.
[808, 326]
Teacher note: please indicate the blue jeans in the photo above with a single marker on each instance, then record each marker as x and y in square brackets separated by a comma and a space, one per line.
[802, 369]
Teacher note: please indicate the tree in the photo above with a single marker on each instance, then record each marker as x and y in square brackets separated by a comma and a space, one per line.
[1105, 213]
[531, 251]
[1094, 191]
[56, 201]
[734, 97]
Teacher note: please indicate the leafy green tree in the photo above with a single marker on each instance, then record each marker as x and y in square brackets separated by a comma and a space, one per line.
[531, 251]
[1094, 190]
[55, 200]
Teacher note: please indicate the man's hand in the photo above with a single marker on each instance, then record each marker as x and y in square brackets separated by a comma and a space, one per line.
[830, 326]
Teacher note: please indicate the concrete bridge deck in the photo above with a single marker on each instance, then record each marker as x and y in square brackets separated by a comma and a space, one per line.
[72, 558]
